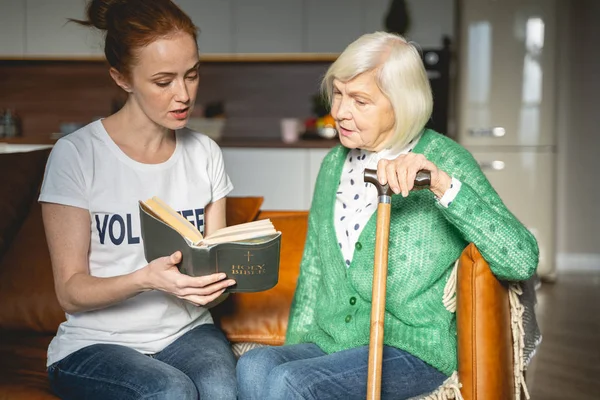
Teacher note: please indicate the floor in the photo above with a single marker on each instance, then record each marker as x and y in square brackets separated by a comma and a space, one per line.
[567, 364]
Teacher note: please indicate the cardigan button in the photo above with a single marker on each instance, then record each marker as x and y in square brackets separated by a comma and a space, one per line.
[348, 318]
[352, 300]
[358, 246]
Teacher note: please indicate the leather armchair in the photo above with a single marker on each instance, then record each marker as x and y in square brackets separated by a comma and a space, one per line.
[485, 350]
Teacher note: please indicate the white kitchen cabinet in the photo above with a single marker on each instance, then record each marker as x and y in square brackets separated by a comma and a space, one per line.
[49, 33]
[12, 28]
[508, 73]
[214, 18]
[21, 148]
[40, 27]
[268, 26]
[331, 25]
[525, 180]
[430, 21]
[506, 106]
[315, 157]
[279, 175]
[284, 177]
[374, 12]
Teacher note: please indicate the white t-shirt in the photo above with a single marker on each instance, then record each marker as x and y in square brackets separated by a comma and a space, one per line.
[88, 170]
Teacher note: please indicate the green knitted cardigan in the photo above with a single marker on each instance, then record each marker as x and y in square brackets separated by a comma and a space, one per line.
[332, 302]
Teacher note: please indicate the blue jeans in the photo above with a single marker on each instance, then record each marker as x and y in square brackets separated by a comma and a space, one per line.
[304, 371]
[199, 364]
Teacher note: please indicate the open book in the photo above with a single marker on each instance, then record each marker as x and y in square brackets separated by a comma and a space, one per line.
[248, 253]
[249, 230]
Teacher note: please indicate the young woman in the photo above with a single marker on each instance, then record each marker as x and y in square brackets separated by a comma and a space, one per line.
[136, 329]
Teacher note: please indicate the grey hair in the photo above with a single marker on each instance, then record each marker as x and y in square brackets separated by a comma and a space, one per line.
[400, 75]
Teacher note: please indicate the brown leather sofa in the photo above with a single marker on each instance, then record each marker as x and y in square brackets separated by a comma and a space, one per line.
[30, 314]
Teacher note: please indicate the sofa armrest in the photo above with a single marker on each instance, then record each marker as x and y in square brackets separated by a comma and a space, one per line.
[262, 317]
[242, 209]
[485, 350]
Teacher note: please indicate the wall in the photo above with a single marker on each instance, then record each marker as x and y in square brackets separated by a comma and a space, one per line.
[47, 94]
[37, 27]
[578, 197]
[256, 95]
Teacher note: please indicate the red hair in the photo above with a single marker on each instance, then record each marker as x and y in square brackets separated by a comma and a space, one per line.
[133, 24]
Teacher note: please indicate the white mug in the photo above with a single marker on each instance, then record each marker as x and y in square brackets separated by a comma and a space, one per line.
[290, 130]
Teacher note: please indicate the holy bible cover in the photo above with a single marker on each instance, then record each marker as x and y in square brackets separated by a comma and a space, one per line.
[252, 263]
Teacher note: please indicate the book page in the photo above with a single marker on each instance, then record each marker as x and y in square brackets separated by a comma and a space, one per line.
[260, 224]
[240, 235]
[248, 230]
[166, 214]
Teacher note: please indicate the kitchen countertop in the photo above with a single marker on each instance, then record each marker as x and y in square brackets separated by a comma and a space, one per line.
[277, 143]
[225, 142]
[19, 148]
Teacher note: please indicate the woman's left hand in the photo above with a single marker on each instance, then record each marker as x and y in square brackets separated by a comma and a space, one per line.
[401, 172]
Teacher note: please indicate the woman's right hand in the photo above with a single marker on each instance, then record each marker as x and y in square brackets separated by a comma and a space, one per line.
[162, 274]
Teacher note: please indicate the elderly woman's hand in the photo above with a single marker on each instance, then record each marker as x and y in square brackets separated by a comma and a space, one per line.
[400, 174]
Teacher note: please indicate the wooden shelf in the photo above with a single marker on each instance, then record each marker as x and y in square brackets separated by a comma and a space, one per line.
[208, 58]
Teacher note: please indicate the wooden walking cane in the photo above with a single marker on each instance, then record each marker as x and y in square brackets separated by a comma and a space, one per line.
[384, 200]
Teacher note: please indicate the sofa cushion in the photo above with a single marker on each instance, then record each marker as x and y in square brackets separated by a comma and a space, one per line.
[485, 366]
[23, 366]
[26, 284]
[262, 317]
[20, 179]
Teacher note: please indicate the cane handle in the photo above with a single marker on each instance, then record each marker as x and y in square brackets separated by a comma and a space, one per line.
[422, 181]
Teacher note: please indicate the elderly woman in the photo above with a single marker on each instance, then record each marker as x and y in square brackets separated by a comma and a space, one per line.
[381, 100]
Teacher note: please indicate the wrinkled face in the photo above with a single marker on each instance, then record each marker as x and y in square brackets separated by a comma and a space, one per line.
[364, 116]
[164, 80]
